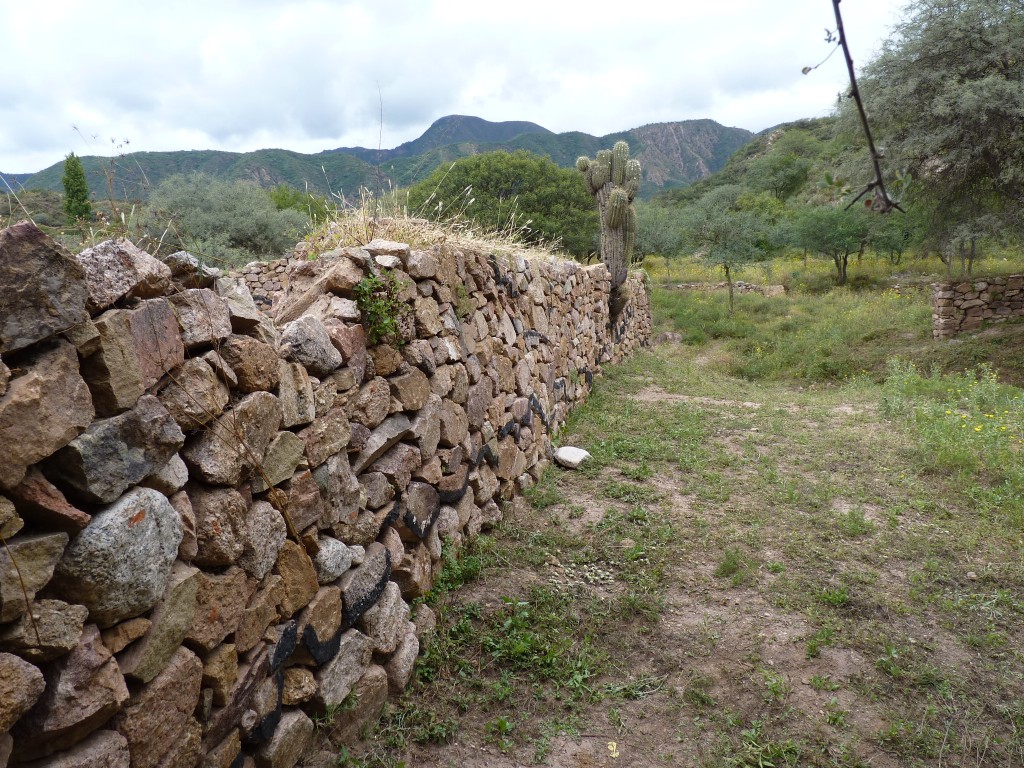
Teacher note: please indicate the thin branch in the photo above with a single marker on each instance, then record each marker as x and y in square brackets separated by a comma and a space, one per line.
[882, 203]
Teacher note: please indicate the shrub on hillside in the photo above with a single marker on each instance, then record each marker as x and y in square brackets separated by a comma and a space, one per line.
[224, 222]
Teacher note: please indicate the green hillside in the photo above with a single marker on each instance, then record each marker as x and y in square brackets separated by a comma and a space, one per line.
[672, 155]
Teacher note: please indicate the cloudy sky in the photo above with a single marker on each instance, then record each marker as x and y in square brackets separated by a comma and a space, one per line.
[310, 75]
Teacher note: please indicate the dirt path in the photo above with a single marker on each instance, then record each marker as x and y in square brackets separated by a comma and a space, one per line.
[753, 577]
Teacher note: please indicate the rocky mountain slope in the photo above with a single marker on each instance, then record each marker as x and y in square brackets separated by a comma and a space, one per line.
[672, 154]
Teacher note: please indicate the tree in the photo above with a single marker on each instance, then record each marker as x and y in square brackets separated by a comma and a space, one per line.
[518, 193]
[76, 191]
[229, 222]
[946, 96]
[318, 209]
[832, 233]
[724, 234]
[658, 232]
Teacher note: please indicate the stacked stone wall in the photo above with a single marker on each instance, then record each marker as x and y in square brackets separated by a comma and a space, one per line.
[969, 305]
[214, 524]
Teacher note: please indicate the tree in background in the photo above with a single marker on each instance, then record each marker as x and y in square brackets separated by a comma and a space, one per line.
[722, 233]
[318, 209]
[225, 222]
[517, 193]
[946, 96]
[658, 232]
[76, 191]
[831, 232]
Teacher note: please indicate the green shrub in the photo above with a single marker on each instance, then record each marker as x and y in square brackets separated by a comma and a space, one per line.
[224, 222]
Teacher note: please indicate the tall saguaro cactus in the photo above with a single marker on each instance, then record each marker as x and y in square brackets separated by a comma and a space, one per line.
[613, 179]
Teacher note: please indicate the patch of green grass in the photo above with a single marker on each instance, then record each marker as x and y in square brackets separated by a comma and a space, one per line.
[824, 683]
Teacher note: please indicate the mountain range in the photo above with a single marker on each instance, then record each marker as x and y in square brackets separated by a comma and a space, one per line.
[671, 154]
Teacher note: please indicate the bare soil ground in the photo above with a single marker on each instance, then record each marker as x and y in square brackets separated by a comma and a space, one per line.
[752, 575]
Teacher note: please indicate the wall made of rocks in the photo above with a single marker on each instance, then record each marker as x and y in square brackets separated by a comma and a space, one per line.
[968, 305]
[214, 525]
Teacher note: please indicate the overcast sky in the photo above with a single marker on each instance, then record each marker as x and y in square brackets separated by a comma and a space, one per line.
[311, 75]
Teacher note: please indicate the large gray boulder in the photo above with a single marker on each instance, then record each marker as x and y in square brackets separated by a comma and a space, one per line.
[118, 567]
[115, 453]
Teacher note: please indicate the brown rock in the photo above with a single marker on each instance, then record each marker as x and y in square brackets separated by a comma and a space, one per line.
[298, 578]
[263, 533]
[428, 318]
[370, 694]
[10, 521]
[411, 389]
[420, 507]
[120, 636]
[339, 490]
[111, 272]
[54, 630]
[21, 685]
[217, 455]
[319, 622]
[260, 614]
[44, 409]
[386, 359]
[202, 316]
[83, 691]
[113, 372]
[378, 490]
[220, 602]
[156, 720]
[414, 573]
[220, 672]
[41, 502]
[189, 546]
[336, 678]
[326, 436]
[304, 503]
[158, 346]
[454, 424]
[372, 403]
[399, 463]
[256, 364]
[293, 735]
[400, 666]
[188, 750]
[381, 440]
[295, 391]
[224, 754]
[36, 557]
[426, 427]
[350, 341]
[103, 748]
[299, 686]
[44, 288]
[385, 621]
[220, 518]
[195, 394]
[245, 315]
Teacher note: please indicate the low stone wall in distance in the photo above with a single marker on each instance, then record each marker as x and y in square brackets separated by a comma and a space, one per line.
[214, 524]
[968, 305]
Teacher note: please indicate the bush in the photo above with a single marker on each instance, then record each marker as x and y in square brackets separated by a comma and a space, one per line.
[225, 222]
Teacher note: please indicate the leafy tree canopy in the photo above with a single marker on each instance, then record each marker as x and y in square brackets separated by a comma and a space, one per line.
[513, 192]
[946, 98]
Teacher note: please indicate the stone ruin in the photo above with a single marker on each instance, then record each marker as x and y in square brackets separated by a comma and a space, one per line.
[214, 523]
[968, 305]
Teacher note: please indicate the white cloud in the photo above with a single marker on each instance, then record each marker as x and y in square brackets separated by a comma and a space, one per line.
[311, 75]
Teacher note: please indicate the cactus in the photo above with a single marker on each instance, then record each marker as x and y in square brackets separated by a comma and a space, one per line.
[614, 180]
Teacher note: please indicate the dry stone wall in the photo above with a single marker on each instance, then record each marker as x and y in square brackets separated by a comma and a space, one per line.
[213, 524]
[968, 305]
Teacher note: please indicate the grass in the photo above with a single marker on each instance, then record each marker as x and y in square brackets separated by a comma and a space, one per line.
[758, 566]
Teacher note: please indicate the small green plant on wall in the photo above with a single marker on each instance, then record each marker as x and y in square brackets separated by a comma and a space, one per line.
[382, 310]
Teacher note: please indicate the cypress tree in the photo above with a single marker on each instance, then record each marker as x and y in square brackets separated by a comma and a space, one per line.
[76, 190]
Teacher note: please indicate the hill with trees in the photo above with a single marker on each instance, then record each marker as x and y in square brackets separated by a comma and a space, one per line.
[672, 155]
